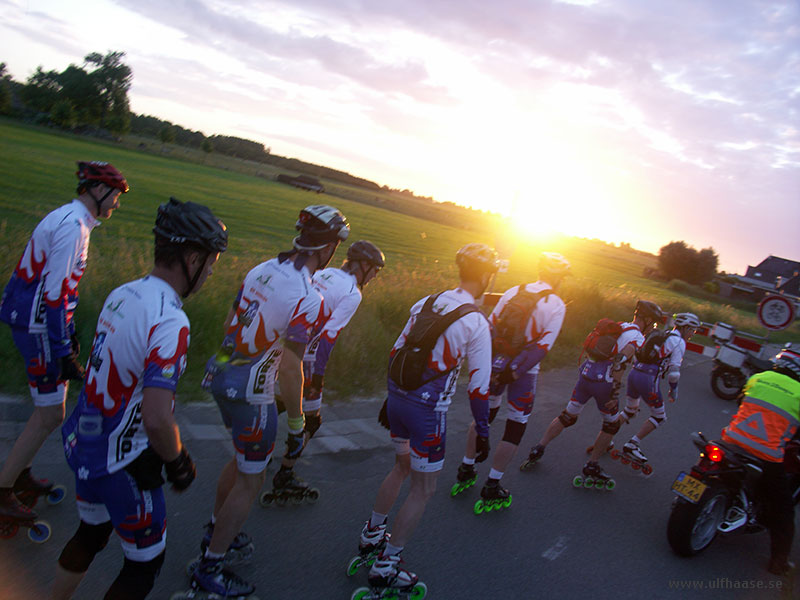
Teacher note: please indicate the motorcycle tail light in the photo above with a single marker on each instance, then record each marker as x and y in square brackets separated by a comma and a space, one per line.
[714, 453]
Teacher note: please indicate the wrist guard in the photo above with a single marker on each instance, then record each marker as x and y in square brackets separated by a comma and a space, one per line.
[181, 471]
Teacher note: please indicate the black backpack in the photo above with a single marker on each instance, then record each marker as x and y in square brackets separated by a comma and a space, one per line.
[508, 337]
[648, 353]
[408, 363]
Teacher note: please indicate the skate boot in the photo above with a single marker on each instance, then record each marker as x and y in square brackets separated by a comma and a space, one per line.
[388, 580]
[632, 455]
[286, 487]
[211, 581]
[466, 478]
[239, 552]
[14, 514]
[493, 497]
[535, 456]
[28, 489]
[370, 545]
[594, 477]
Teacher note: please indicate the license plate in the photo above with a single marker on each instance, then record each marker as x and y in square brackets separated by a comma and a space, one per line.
[688, 487]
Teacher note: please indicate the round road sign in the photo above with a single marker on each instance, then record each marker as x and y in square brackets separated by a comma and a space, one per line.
[775, 312]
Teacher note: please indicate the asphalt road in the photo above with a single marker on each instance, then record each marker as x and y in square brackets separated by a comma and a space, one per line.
[555, 541]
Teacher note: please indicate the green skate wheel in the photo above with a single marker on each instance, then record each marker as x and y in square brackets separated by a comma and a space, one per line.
[455, 489]
[40, 532]
[611, 484]
[507, 502]
[418, 591]
[577, 481]
[599, 484]
[353, 566]
[360, 594]
[480, 506]
[588, 482]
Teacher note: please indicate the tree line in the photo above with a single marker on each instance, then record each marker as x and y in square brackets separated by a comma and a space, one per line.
[678, 260]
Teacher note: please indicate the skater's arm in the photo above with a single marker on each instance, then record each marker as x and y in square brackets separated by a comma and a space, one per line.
[290, 375]
[159, 422]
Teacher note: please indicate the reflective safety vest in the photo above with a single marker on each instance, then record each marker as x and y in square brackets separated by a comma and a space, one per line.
[768, 416]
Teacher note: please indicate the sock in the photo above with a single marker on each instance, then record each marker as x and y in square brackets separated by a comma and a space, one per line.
[392, 550]
[376, 519]
[495, 474]
[213, 557]
[468, 461]
[635, 439]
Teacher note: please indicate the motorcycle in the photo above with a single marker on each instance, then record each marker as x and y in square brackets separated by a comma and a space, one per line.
[733, 364]
[718, 495]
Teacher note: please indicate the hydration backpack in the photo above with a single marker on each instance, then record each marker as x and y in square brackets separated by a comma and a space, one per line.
[653, 341]
[508, 337]
[409, 362]
[600, 342]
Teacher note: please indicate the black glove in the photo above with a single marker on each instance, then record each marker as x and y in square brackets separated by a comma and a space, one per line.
[181, 471]
[71, 368]
[313, 421]
[481, 448]
[383, 418]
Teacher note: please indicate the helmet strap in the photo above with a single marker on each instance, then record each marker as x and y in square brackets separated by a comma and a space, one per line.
[192, 281]
[99, 202]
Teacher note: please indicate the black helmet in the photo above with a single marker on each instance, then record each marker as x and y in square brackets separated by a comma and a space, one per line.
[788, 362]
[366, 251]
[180, 222]
[319, 225]
[649, 310]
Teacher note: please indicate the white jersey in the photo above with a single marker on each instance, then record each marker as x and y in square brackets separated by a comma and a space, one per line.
[276, 304]
[546, 319]
[339, 290]
[672, 351]
[141, 341]
[631, 334]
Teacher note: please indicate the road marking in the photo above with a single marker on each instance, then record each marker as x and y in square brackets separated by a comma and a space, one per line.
[556, 549]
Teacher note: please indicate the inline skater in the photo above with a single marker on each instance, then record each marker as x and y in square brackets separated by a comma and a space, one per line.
[38, 304]
[267, 330]
[643, 380]
[515, 370]
[417, 417]
[122, 431]
[768, 417]
[601, 378]
[341, 291]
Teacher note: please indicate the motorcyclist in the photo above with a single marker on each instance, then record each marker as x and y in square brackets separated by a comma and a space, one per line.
[767, 419]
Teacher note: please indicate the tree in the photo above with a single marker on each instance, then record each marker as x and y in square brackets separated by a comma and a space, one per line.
[706, 265]
[208, 148]
[112, 79]
[166, 134]
[42, 90]
[5, 91]
[677, 260]
[79, 89]
[63, 114]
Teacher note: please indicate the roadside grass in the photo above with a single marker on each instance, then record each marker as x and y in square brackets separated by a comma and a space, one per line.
[37, 175]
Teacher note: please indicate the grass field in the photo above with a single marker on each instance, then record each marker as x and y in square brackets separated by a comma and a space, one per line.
[37, 175]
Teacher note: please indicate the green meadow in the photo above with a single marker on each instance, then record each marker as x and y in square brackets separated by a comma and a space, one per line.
[37, 174]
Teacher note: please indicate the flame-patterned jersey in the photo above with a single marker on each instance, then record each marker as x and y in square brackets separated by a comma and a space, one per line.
[276, 303]
[42, 293]
[141, 341]
[342, 297]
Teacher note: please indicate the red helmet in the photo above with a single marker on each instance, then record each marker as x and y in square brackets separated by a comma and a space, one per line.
[93, 172]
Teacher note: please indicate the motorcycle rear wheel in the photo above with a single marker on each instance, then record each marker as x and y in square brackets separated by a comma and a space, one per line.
[692, 527]
[727, 383]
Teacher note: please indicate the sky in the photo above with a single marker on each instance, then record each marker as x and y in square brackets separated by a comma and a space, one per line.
[622, 120]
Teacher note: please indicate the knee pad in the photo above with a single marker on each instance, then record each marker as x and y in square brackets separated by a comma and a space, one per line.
[80, 551]
[514, 432]
[493, 413]
[656, 421]
[135, 580]
[612, 427]
[567, 420]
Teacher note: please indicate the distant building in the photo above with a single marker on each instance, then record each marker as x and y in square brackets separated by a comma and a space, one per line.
[772, 275]
[772, 270]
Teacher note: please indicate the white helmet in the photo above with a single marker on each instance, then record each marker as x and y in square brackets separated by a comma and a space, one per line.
[686, 320]
[554, 263]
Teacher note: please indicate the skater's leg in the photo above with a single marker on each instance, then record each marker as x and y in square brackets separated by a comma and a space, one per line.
[390, 488]
[658, 415]
[469, 451]
[423, 485]
[225, 484]
[612, 421]
[136, 579]
[76, 557]
[43, 421]
[234, 511]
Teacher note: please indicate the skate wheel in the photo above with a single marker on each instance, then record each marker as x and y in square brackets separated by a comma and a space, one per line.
[615, 454]
[40, 532]
[507, 502]
[296, 500]
[454, 491]
[480, 507]
[419, 591]
[599, 485]
[611, 484]
[588, 483]
[577, 481]
[636, 466]
[361, 593]
[312, 495]
[353, 566]
[625, 461]
[266, 499]
[192, 565]
[56, 495]
[8, 529]
[647, 470]
[280, 500]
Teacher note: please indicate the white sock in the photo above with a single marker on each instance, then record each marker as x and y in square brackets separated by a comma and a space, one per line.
[468, 461]
[495, 474]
